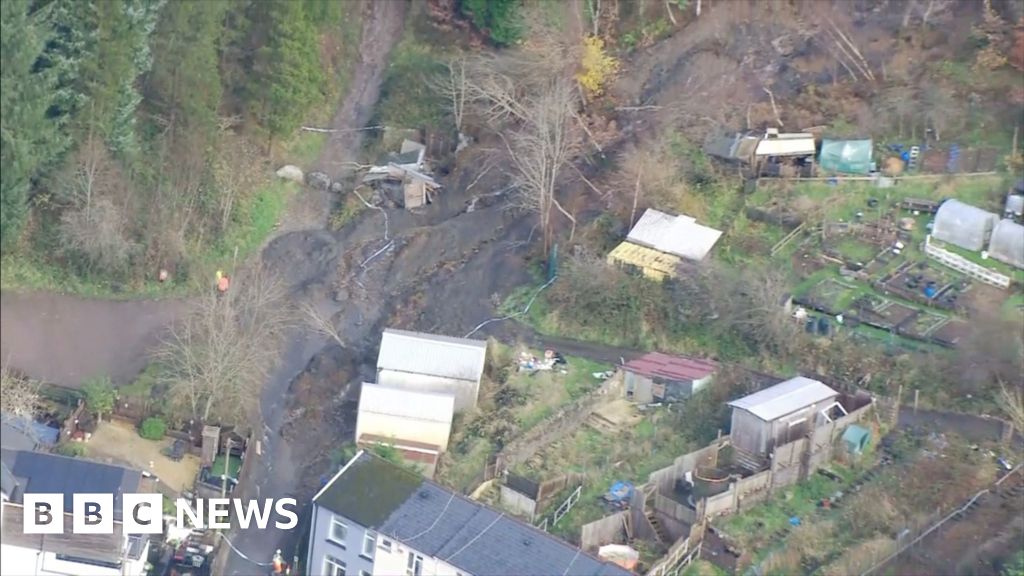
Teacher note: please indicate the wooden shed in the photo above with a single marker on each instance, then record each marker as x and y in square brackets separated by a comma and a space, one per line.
[781, 414]
[658, 377]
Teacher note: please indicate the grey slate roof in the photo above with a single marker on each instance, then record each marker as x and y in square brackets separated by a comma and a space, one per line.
[438, 522]
[37, 472]
[18, 433]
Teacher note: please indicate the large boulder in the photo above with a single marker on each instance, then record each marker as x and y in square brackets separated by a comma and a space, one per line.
[318, 180]
[289, 172]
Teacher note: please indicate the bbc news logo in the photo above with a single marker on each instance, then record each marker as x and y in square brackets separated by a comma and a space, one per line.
[143, 513]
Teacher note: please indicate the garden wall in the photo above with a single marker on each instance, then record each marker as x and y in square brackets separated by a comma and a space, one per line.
[607, 530]
[518, 503]
[707, 456]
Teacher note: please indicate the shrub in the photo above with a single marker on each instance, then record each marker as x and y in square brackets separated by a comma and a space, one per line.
[153, 429]
[73, 449]
[99, 395]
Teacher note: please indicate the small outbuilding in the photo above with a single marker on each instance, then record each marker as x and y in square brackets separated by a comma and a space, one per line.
[417, 424]
[781, 414]
[846, 156]
[856, 438]
[658, 377]
[1007, 244]
[432, 364]
[963, 225]
[1014, 206]
[659, 242]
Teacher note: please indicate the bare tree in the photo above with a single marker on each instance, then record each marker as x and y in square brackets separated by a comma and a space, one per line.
[216, 359]
[94, 223]
[321, 324]
[540, 149]
[749, 303]
[1012, 396]
[453, 86]
[19, 397]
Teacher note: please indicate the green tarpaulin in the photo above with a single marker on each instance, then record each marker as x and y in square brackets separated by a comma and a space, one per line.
[856, 438]
[848, 156]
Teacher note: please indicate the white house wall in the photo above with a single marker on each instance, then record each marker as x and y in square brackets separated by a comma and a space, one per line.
[394, 563]
[401, 428]
[28, 562]
[464, 391]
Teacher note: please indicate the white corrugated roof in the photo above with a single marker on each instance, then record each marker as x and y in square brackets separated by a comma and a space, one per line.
[784, 398]
[786, 145]
[406, 404]
[443, 356]
[678, 235]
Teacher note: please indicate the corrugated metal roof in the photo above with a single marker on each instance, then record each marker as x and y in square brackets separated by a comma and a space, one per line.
[438, 522]
[406, 404]
[673, 367]
[784, 398]
[677, 235]
[654, 264]
[786, 145]
[443, 356]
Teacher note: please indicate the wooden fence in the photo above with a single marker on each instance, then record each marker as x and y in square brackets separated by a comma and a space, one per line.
[965, 266]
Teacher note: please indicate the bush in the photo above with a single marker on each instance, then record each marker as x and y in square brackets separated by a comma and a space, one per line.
[73, 449]
[153, 429]
[99, 395]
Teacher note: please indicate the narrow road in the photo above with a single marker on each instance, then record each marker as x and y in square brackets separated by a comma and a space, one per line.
[65, 339]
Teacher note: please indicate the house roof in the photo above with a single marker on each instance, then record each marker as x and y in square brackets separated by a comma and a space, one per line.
[438, 522]
[38, 472]
[677, 235]
[25, 434]
[784, 398]
[432, 355]
[964, 225]
[671, 367]
[655, 265]
[406, 403]
[105, 548]
[798, 144]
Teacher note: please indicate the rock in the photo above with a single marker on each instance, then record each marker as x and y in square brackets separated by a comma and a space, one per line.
[784, 45]
[318, 180]
[337, 188]
[289, 172]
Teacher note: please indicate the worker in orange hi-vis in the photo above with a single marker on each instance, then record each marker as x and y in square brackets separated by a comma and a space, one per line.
[279, 565]
[222, 282]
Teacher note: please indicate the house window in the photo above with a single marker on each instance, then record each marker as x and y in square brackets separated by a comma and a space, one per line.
[364, 573]
[369, 543]
[385, 545]
[333, 566]
[414, 567]
[339, 531]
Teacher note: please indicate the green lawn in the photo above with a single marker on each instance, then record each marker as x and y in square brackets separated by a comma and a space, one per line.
[234, 465]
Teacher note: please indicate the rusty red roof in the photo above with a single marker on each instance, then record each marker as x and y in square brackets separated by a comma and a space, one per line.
[672, 367]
